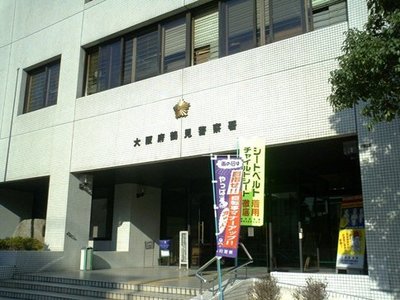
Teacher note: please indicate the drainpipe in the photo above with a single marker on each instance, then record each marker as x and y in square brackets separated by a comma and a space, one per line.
[11, 127]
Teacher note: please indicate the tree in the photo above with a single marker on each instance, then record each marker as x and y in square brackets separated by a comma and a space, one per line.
[369, 68]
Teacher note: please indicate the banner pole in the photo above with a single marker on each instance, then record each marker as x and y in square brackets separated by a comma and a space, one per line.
[221, 295]
[237, 155]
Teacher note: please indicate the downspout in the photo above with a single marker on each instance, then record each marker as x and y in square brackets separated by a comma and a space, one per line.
[11, 127]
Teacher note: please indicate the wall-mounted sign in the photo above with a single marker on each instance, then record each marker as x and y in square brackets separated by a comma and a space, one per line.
[181, 109]
[165, 246]
[188, 133]
[252, 152]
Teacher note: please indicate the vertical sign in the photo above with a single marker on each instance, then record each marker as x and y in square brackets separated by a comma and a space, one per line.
[183, 249]
[252, 152]
[351, 241]
[228, 194]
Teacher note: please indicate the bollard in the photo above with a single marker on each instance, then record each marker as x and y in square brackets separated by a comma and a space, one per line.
[89, 258]
[86, 263]
[82, 265]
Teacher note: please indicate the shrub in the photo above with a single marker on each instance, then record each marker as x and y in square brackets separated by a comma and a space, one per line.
[20, 243]
[265, 289]
[314, 290]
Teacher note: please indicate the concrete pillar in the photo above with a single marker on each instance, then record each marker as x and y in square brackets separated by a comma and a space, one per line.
[123, 199]
[136, 222]
[68, 218]
[146, 214]
[380, 165]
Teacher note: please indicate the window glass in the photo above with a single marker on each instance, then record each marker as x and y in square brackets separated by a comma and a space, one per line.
[147, 55]
[52, 87]
[128, 60]
[109, 66]
[328, 12]
[92, 77]
[174, 45]
[205, 36]
[104, 67]
[240, 25]
[288, 18]
[42, 87]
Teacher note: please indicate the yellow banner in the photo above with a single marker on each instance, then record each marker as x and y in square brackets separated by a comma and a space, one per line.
[351, 248]
[351, 240]
[252, 152]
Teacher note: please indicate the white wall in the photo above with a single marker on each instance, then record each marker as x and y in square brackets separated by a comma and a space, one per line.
[277, 91]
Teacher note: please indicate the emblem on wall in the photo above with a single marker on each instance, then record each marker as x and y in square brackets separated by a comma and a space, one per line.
[181, 109]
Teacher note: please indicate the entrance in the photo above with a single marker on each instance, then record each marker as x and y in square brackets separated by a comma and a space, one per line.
[189, 207]
[305, 185]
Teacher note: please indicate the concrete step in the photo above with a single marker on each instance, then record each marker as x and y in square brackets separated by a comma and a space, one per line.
[109, 285]
[57, 288]
[10, 293]
[46, 287]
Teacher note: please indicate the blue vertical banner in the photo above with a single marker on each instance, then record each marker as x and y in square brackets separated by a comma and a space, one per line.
[228, 194]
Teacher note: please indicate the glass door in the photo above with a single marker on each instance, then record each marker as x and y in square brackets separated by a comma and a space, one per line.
[202, 230]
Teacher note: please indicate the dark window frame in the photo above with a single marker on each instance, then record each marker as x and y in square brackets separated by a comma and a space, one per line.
[46, 99]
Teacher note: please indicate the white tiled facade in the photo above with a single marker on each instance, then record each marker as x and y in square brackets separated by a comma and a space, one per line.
[277, 91]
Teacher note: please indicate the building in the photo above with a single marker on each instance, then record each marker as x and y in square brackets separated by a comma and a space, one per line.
[92, 151]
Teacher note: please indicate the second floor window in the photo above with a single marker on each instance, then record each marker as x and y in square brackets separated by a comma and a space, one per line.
[214, 30]
[104, 67]
[42, 87]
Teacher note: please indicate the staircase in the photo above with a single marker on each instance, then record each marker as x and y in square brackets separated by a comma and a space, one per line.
[47, 287]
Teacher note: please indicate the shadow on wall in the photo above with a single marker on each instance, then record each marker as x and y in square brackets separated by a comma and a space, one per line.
[379, 152]
[33, 228]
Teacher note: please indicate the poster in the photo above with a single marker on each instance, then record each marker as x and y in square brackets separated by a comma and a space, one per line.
[252, 152]
[228, 194]
[351, 240]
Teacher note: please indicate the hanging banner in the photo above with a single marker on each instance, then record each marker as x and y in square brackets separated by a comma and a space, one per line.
[228, 194]
[252, 152]
[351, 241]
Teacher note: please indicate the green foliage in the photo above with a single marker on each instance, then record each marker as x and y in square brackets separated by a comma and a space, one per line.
[20, 243]
[314, 290]
[369, 68]
[265, 289]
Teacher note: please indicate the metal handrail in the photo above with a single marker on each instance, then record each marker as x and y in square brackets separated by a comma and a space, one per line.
[231, 270]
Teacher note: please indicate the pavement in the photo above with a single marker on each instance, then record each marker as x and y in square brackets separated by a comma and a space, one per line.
[156, 276]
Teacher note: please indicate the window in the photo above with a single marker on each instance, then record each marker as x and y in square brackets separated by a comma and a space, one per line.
[205, 36]
[147, 54]
[288, 19]
[328, 12]
[240, 26]
[174, 52]
[42, 87]
[104, 67]
[216, 29]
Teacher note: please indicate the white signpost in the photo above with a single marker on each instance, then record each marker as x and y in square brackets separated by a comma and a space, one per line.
[184, 249]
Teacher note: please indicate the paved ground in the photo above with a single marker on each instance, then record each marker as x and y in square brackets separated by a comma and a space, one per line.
[162, 275]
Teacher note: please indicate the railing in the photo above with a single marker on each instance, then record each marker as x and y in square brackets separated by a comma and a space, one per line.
[203, 280]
